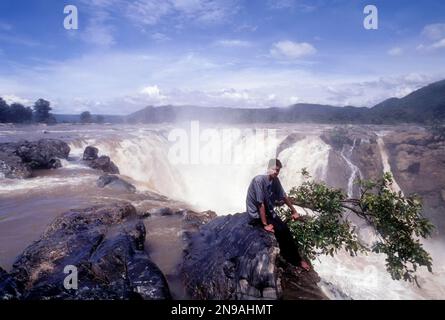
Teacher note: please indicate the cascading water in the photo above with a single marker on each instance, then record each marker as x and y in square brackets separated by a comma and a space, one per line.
[365, 276]
[385, 161]
[346, 154]
[141, 157]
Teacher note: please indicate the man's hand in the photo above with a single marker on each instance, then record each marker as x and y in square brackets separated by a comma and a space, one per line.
[295, 215]
[269, 228]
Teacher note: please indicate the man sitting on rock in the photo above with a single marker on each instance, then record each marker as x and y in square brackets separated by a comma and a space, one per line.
[264, 193]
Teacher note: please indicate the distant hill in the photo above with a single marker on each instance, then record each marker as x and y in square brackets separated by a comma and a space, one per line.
[60, 118]
[421, 106]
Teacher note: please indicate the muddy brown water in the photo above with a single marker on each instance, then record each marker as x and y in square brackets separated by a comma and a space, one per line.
[28, 206]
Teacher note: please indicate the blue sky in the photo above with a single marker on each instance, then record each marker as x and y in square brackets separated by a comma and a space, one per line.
[237, 53]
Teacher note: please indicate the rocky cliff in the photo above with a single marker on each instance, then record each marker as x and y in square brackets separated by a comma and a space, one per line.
[104, 243]
[228, 259]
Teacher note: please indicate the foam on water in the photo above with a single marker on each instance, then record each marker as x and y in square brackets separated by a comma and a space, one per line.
[48, 182]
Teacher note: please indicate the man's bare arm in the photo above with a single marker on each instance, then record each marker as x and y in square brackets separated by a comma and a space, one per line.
[295, 214]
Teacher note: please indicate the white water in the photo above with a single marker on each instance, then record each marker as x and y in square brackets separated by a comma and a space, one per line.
[355, 171]
[385, 161]
[143, 156]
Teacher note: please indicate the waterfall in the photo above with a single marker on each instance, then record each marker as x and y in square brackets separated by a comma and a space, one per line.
[217, 186]
[310, 153]
[346, 155]
[385, 161]
[141, 157]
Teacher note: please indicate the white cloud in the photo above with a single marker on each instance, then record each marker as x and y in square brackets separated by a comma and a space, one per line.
[395, 51]
[99, 30]
[152, 92]
[245, 27]
[233, 94]
[291, 4]
[122, 82]
[233, 43]
[148, 12]
[159, 37]
[12, 98]
[294, 100]
[152, 12]
[439, 44]
[291, 50]
[99, 34]
[434, 31]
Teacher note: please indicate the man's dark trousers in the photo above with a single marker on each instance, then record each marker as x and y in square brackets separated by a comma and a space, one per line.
[288, 248]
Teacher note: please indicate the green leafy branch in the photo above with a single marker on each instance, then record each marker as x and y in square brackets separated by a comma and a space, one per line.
[397, 220]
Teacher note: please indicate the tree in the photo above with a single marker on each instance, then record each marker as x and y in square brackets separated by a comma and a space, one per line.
[41, 110]
[85, 117]
[19, 113]
[396, 218]
[4, 111]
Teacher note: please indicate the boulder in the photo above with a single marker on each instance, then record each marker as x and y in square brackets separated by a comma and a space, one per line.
[106, 245]
[12, 166]
[90, 153]
[116, 183]
[17, 160]
[192, 220]
[44, 153]
[163, 211]
[230, 259]
[8, 287]
[105, 164]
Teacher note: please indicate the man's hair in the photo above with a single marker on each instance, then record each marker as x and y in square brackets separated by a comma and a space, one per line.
[273, 163]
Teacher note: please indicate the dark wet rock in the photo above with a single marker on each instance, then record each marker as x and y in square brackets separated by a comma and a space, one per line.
[12, 166]
[193, 220]
[8, 287]
[230, 259]
[116, 183]
[90, 153]
[105, 244]
[18, 159]
[164, 211]
[44, 153]
[103, 163]
[298, 284]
